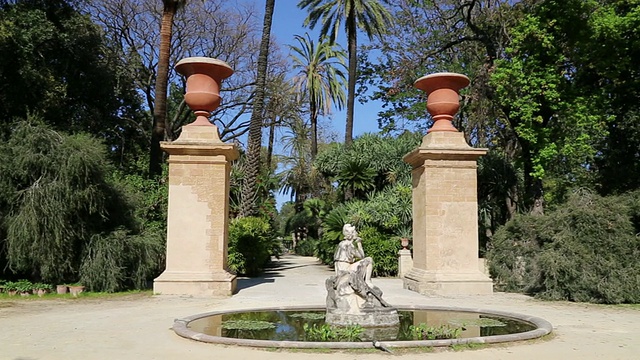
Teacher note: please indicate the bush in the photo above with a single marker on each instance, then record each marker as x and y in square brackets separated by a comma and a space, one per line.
[67, 214]
[586, 250]
[326, 248]
[120, 260]
[252, 242]
[306, 247]
[332, 234]
[383, 249]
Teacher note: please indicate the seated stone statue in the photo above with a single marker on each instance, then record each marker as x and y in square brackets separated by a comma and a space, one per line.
[348, 251]
[351, 297]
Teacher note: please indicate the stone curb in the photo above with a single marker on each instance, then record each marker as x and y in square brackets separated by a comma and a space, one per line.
[543, 327]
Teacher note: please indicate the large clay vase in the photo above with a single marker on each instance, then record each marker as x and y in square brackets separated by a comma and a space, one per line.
[204, 76]
[442, 97]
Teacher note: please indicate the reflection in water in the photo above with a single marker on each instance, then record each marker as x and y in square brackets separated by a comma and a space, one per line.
[288, 325]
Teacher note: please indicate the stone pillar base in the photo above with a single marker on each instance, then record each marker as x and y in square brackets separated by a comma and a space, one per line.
[443, 283]
[195, 284]
[405, 262]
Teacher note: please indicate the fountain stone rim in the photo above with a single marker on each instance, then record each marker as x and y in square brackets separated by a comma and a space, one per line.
[543, 327]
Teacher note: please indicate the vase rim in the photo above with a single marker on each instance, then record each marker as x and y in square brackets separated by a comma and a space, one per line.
[430, 82]
[185, 66]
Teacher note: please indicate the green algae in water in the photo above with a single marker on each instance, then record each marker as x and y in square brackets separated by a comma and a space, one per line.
[289, 325]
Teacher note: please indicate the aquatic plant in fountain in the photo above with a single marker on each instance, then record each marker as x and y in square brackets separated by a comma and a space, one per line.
[327, 332]
[425, 332]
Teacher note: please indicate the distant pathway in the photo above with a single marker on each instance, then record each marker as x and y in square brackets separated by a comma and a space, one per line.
[138, 327]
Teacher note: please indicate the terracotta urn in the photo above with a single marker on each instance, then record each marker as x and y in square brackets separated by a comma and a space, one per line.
[204, 76]
[404, 242]
[442, 97]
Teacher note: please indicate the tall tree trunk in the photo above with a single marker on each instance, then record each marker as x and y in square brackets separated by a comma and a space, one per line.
[313, 109]
[249, 188]
[353, 69]
[272, 135]
[511, 202]
[533, 186]
[162, 78]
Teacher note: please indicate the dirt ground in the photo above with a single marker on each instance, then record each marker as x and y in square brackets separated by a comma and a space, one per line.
[139, 326]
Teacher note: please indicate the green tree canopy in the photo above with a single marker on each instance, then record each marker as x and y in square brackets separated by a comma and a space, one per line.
[54, 61]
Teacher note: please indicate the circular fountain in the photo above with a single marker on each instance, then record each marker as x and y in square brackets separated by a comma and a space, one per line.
[285, 327]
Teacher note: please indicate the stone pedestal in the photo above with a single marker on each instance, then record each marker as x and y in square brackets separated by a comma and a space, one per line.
[405, 262]
[197, 229]
[378, 317]
[445, 217]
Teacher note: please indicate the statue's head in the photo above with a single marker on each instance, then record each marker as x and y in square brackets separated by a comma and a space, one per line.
[349, 231]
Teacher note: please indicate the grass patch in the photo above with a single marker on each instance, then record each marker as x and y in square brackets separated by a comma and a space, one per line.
[628, 306]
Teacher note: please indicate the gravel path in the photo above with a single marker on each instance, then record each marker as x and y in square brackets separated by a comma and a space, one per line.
[138, 327]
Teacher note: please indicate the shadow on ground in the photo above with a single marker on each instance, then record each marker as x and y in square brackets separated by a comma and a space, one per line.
[269, 275]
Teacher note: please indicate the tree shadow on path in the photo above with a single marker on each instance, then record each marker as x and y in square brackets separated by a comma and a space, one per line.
[276, 269]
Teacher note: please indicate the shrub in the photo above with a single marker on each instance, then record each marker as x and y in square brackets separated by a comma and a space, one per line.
[332, 234]
[306, 247]
[326, 247]
[383, 249]
[23, 286]
[120, 260]
[252, 242]
[68, 215]
[586, 250]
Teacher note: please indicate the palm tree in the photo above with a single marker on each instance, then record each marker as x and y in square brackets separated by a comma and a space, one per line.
[249, 189]
[281, 105]
[356, 177]
[297, 178]
[170, 7]
[320, 78]
[369, 15]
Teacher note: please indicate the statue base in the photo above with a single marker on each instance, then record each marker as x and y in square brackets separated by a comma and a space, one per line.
[378, 317]
[351, 301]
